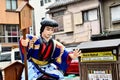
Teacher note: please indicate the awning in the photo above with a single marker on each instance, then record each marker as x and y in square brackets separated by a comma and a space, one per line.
[99, 44]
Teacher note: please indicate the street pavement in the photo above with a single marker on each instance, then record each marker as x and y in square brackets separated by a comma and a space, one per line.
[72, 77]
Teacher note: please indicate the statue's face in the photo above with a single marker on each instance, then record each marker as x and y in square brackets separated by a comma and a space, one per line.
[48, 32]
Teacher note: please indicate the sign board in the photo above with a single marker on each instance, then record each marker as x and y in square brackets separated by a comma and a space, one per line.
[25, 18]
[98, 56]
[100, 75]
[25, 15]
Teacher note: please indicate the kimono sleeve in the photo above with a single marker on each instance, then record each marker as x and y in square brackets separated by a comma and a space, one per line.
[64, 57]
[22, 50]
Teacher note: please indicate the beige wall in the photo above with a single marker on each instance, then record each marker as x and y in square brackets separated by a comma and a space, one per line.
[84, 5]
[8, 17]
[65, 38]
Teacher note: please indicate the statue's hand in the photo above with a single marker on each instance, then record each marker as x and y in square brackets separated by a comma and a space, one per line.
[24, 42]
[76, 54]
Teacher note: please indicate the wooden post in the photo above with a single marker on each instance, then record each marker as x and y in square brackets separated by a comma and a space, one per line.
[24, 31]
[25, 21]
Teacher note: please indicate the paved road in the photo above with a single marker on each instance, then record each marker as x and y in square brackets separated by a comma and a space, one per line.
[71, 77]
[75, 78]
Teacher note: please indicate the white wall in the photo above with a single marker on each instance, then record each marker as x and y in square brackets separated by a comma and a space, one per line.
[39, 13]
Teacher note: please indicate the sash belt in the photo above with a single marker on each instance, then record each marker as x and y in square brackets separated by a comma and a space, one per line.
[41, 63]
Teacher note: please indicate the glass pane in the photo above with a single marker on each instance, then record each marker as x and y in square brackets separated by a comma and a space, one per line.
[57, 0]
[8, 28]
[17, 56]
[92, 15]
[14, 4]
[49, 0]
[2, 32]
[41, 3]
[5, 57]
[14, 39]
[9, 39]
[8, 5]
[45, 1]
[14, 28]
[2, 39]
[59, 20]
[4, 49]
[19, 32]
[8, 31]
[85, 16]
[115, 13]
[14, 31]
[58, 13]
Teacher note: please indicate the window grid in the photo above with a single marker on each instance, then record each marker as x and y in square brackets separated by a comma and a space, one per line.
[42, 2]
[10, 34]
[115, 13]
[11, 5]
[90, 15]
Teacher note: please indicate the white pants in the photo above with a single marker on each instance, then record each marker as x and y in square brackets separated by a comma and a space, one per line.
[34, 73]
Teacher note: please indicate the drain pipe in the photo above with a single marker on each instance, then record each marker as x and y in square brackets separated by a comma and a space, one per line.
[101, 17]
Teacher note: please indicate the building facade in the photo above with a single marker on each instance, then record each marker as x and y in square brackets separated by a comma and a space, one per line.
[78, 20]
[109, 20]
[9, 23]
[95, 24]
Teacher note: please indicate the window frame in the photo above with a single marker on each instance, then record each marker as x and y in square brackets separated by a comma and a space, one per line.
[113, 7]
[41, 3]
[86, 13]
[11, 7]
[5, 57]
[14, 35]
[59, 13]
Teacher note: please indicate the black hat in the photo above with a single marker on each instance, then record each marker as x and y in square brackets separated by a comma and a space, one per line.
[47, 22]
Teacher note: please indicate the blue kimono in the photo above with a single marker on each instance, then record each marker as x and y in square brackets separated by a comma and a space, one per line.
[51, 57]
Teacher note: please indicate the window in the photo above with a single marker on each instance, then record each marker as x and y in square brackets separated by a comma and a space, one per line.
[58, 13]
[47, 1]
[5, 57]
[9, 33]
[57, 0]
[90, 15]
[42, 2]
[60, 22]
[4, 49]
[115, 13]
[17, 56]
[11, 5]
[58, 16]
